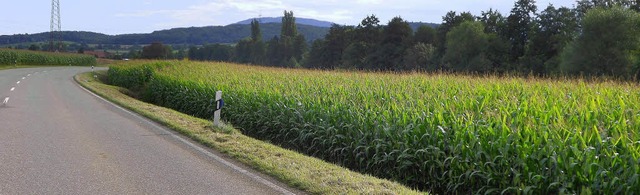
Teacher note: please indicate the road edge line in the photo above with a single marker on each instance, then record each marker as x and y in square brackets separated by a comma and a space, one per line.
[198, 148]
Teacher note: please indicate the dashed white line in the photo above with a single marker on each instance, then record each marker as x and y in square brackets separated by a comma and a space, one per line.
[13, 88]
[18, 82]
[24, 78]
[28, 75]
[6, 100]
[198, 147]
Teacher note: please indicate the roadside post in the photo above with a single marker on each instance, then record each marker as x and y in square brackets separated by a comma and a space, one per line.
[219, 104]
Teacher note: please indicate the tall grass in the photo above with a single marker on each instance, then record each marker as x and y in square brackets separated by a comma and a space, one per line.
[25, 57]
[443, 133]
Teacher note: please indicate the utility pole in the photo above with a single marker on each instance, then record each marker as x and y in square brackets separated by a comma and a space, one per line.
[55, 36]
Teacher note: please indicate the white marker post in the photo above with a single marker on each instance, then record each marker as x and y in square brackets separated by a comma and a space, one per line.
[219, 104]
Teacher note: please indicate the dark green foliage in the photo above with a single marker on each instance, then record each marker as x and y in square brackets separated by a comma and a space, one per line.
[554, 29]
[256, 33]
[397, 36]
[157, 51]
[243, 51]
[360, 45]
[449, 21]
[420, 57]
[519, 28]
[34, 47]
[214, 52]
[425, 34]
[316, 55]
[608, 44]
[467, 46]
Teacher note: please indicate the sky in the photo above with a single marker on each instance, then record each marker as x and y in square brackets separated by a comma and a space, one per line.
[144, 16]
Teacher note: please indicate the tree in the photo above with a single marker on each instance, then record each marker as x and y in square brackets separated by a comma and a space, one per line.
[360, 43]
[336, 41]
[420, 57]
[425, 34]
[519, 27]
[34, 47]
[583, 6]
[257, 47]
[256, 33]
[449, 21]
[493, 22]
[608, 45]
[397, 36]
[467, 47]
[289, 28]
[274, 52]
[495, 25]
[289, 45]
[243, 51]
[316, 55]
[156, 51]
[554, 29]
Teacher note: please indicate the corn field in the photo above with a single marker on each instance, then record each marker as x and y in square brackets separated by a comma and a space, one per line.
[440, 133]
[23, 57]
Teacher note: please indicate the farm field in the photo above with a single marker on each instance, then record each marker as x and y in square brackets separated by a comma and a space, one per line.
[9, 57]
[435, 132]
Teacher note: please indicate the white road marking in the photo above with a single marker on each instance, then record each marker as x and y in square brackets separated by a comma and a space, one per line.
[13, 88]
[6, 100]
[196, 146]
[18, 82]
[29, 75]
[24, 78]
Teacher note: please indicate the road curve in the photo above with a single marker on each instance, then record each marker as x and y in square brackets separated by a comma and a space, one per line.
[57, 138]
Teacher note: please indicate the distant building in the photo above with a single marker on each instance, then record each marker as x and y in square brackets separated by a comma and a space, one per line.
[98, 54]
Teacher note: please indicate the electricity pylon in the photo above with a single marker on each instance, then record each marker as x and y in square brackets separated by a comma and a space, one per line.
[55, 34]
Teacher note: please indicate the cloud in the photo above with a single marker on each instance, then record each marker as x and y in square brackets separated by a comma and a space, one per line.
[223, 12]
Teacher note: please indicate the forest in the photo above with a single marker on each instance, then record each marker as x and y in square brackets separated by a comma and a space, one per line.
[593, 38]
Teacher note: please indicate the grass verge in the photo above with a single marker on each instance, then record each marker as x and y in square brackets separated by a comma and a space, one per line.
[308, 174]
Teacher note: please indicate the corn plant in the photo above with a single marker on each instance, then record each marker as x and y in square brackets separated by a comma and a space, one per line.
[24, 57]
[436, 132]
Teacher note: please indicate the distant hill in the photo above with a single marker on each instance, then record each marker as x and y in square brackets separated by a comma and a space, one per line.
[305, 21]
[416, 25]
[310, 28]
[190, 36]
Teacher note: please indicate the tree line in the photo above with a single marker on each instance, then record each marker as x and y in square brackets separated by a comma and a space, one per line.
[595, 37]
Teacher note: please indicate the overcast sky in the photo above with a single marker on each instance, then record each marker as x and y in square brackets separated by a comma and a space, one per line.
[145, 16]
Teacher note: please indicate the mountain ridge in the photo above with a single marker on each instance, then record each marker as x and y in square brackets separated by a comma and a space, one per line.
[305, 21]
[312, 29]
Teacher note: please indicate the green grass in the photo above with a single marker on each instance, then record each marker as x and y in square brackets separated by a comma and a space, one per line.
[10, 57]
[442, 133]
[299, 171]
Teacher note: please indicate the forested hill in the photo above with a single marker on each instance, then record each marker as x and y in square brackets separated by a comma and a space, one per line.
[191, 36]
[299, 21]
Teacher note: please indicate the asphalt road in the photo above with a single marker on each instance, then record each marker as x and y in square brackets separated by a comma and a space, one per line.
[57, 138]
